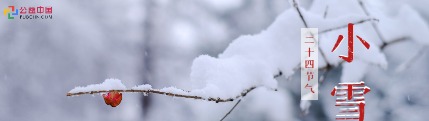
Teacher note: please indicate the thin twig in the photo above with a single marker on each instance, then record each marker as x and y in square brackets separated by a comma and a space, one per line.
[345, 26]
[372, 23]
[325, 73]
[377, 30]
[295, 4]
[400, 39]
[325, 14]
[382, 47]
[156, 91]
[408, 62]
[279, 74]
[328, 66]
[230, 110]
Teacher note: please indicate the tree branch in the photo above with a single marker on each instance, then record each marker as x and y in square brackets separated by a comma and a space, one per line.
[345, 26]
[295, 4]
[325, 14]
[377, 30]
[382, 47]
[328, 66]
[156, 91]
[372, 23]
[414, 58]
[400, 39]
[231, 110]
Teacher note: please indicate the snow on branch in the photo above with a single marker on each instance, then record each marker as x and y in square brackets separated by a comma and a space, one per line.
[115, 85]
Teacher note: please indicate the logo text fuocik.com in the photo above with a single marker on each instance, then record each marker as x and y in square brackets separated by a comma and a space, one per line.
[28, 12]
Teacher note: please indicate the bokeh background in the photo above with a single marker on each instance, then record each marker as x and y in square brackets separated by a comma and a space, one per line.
[154, 42]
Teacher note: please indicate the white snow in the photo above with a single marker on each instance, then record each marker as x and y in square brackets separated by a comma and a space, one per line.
[142, 87]
[411, 25]
[224, 5]
[174, 90]
[108, 84]
[275, 105]
[252, 60]
[354, 72]
[228, 77]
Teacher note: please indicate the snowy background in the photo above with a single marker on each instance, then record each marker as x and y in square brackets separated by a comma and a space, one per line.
[156, 41]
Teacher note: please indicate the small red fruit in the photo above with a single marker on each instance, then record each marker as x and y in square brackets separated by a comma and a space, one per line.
[113, 98]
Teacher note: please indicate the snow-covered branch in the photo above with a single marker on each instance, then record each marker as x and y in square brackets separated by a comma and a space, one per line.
[114, 85]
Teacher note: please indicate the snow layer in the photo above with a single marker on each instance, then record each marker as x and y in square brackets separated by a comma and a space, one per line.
[228, 77]
[142, 87]
[108, 84]
[252, 60]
